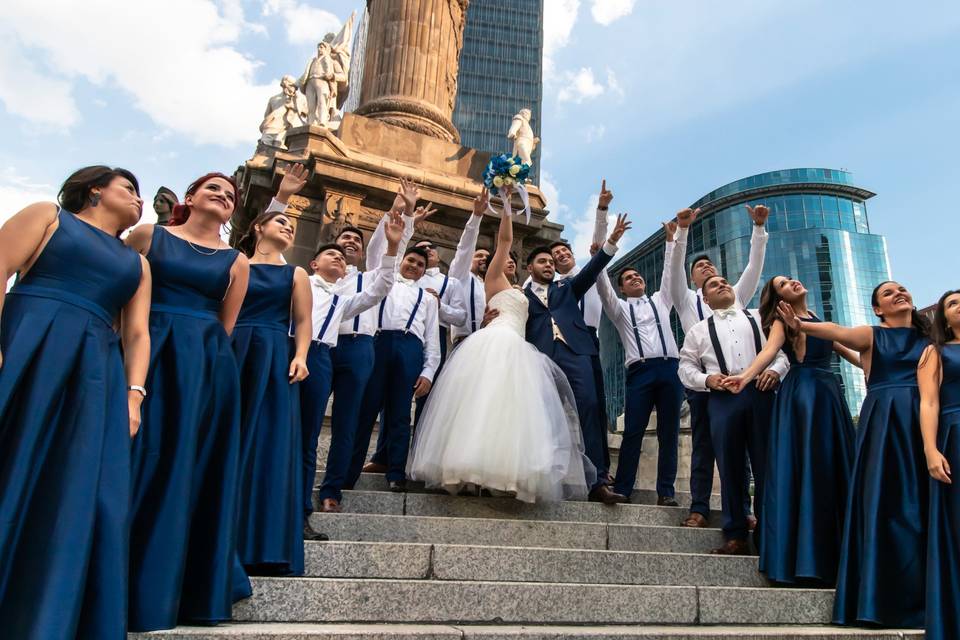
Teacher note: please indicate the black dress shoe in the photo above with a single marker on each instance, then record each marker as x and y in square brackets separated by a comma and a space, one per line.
[667, 501]
[397, 486]
[309, 533]
[603, 493]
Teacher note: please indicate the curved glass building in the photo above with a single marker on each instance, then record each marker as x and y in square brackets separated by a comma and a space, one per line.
[819, 234]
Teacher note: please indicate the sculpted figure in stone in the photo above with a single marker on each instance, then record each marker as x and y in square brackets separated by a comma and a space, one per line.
[324, 81]
[285, 110]
[524, 142]
[163, 204]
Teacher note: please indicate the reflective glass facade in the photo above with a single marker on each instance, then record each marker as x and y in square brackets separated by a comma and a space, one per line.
[819, 234]
[500, 73]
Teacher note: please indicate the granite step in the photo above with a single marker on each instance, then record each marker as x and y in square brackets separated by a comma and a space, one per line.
[640, 495]
[520, 533]
[441, 505]
[442, 601]
[313, 631]
[411, 561]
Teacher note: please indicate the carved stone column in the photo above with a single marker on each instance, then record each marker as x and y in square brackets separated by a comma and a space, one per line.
[411, 65]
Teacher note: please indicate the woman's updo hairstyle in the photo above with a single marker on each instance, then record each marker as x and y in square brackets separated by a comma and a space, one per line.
[75, 194]
[181, 211]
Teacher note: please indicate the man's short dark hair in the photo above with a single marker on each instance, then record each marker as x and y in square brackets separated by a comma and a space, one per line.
[420, 251]
[329, 245]
[560, 243]
[709, 278]
[351, 229]
[700, 257]
[537, 251]
[625, 272]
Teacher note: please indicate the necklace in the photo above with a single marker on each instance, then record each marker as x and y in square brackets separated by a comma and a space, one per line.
[203, 253]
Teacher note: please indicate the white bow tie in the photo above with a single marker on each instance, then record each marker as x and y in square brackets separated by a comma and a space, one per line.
[725, 313]
[403, 280]
[323, 284]
[433, 271]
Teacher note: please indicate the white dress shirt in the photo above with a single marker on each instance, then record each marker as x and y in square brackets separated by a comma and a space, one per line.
[619, 312]
[690, 305]
[453, 310]
[698, 360]
[400, 306]
[350, 303]
[475, 299]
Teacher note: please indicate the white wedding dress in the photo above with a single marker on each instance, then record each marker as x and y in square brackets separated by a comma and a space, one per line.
[502, 416]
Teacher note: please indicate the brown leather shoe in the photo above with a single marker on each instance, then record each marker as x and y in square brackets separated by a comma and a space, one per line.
[330, 505]
[695, 520]
[603, 493]
[733, 548]
[751, 523]
[374, 467]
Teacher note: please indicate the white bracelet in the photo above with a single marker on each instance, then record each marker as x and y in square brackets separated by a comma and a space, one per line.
[137, 387]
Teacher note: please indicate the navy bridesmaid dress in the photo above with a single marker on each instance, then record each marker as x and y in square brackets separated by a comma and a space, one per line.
[808, 471]
[270, 537]
[186, 457]
[943, 545]
[883, 550]
[65, 440]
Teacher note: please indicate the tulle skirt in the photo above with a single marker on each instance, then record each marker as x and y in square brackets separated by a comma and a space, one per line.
[502, 416]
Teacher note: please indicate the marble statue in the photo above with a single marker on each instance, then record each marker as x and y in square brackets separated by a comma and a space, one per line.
[286, 110]
[163, 204]
[324, 81]
[524, 142]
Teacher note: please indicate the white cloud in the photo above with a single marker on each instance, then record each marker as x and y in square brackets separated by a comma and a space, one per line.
[17, 191]
[559, 17]
[305, 24]
[552, 194]
[28, 93]
[606, 12]
[178, 59]
[594, 132]
[613, 84]
[578, 86]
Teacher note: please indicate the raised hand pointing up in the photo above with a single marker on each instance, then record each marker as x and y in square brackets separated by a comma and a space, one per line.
[606, 197]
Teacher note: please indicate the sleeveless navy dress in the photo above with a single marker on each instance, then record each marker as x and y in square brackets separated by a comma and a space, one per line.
[65, 440]
[808, 471]
[883, 550]
[186, 457]
[271, 516]
[943, 545]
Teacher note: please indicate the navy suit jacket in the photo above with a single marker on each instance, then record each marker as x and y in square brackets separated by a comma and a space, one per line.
[563, 299]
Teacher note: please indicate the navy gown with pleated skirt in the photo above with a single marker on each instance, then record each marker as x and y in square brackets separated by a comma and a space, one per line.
[270, 537]
[943, 543]
[186, 458]
[883, 550]
[808, 471]
[65, 440]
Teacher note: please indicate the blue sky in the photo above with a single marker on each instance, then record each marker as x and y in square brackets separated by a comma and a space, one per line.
[667, 99]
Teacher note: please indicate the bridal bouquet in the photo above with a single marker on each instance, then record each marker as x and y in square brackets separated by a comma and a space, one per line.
[508, 171]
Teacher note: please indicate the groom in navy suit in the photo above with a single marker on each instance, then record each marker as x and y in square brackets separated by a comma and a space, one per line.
[555, 326]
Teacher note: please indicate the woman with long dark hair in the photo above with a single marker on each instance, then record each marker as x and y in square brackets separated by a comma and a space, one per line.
[270, 538]
[69, 404]
[186, 459]
[939, 377]
[882, 551]
[810, 448]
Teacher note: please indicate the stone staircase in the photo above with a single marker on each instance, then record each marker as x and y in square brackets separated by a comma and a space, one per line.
[426, 565]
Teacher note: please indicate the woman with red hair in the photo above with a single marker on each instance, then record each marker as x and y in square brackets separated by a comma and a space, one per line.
[186, 457]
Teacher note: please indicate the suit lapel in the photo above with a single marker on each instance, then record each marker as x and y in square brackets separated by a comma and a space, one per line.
[534, 297]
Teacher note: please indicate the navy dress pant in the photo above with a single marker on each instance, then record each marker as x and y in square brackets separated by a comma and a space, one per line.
[739, 425]
[352, 361]
[314, 393]
[702, 458]
[650, 384]
[579, 372]
[398, 363]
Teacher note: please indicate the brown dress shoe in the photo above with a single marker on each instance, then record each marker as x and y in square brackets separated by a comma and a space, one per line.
[733, 548]
[603, 493]
[695, 520]
[330, 505]
[751, 523]
[374, 467]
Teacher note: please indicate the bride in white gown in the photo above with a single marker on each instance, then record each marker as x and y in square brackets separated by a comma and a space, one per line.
[502, 416]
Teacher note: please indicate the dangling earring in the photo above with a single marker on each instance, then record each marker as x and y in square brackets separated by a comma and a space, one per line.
[94, 199]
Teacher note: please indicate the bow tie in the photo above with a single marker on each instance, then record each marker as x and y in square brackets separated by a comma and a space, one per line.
[641, 300]
[725, 313]
[403, 280]
[433, 271]
[323, 284]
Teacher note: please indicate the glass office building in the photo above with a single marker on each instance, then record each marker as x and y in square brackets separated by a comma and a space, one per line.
[819, 234]
[501, 72]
